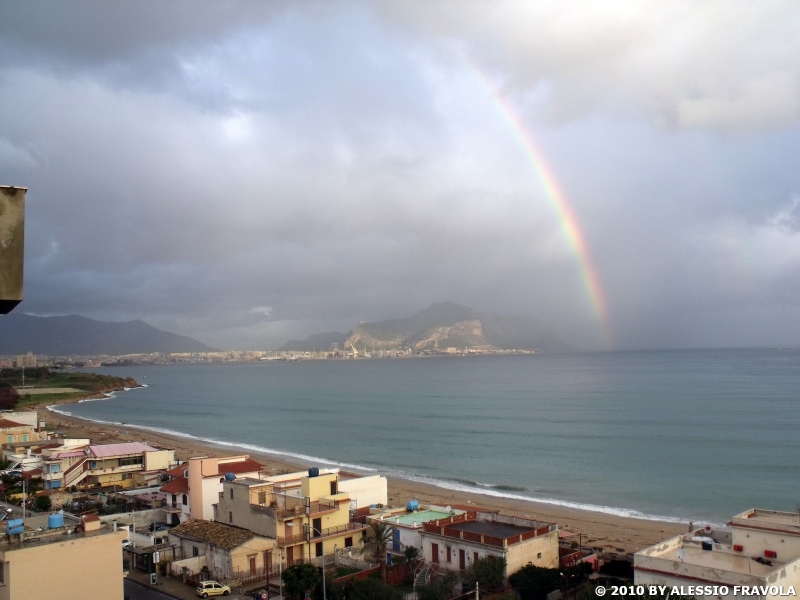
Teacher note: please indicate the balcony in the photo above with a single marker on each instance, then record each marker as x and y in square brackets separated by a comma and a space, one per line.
[289, 508]
[315, 536]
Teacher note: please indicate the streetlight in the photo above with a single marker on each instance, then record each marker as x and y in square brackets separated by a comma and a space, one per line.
[313, 529]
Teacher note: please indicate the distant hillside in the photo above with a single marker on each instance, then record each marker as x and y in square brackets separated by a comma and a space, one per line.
[75, 335]
[445, 325]
[318, 341]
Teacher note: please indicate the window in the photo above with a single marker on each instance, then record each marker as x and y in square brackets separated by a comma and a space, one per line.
[230, 517]
[25, 437]
[195, 551]
[231, 493]
[449, 553]
[318, 549]
[348, 542]
[11, 439]
[333, 487]
[131, 460]
[538, 555]
[2, 572]
[475, 557]
[262, 497]
[184, 499]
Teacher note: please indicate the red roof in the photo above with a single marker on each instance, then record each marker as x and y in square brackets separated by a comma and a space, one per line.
[243, 466]
[5, 423]
[176, 486]
[89, 518]
[177, 471]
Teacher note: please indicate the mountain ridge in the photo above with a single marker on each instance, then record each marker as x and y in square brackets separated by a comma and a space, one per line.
[440, 326]
[76, 335]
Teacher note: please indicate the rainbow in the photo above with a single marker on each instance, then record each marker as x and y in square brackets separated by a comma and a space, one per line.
[558, 201]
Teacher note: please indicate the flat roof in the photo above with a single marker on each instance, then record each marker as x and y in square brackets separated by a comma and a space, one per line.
[768, 519]
[420, 517]
[493, 528]
[725, 561]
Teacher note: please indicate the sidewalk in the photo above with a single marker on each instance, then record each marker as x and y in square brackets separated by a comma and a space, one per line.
[177, 589]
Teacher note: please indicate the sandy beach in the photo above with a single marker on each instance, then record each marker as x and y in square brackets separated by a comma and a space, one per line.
[613, 534]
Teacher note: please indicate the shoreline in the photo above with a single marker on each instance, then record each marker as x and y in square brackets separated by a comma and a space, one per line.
[614, 534]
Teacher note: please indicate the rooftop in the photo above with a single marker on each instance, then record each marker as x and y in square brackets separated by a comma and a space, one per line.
[759, 518]
[501, 530]
[5, 423]
[683, 553]
[243, 466]
[211, 532]
[417, 518]
[123, 449]
[176, 486]
[52, 536]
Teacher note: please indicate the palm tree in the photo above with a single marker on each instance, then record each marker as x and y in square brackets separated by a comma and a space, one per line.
[381, 534]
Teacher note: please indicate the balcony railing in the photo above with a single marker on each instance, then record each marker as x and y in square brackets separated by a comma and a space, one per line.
[316, 535]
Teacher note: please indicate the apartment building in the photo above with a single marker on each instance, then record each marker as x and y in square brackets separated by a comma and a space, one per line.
[195, 486]
[758, 550]
[104, 465]
[308, 513]
[55, 561]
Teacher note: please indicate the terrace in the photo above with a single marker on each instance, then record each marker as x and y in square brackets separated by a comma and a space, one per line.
[489, 529]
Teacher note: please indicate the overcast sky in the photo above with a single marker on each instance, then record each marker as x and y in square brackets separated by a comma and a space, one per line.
[246, 172]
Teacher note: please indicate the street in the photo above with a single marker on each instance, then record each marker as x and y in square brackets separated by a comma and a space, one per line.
[135, 591]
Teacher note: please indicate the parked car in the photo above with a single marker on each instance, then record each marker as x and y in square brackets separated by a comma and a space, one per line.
[127, 543]
[212, 588]
[160, 526]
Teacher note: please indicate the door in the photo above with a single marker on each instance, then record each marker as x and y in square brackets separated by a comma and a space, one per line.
[252, 566]
[290, 556]
[435, 554]
[288, 531]
[267, 563]
[396, 540]
[317, 525]
[462, 560]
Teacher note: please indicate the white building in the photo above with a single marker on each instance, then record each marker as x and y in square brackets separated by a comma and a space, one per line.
[757, 549]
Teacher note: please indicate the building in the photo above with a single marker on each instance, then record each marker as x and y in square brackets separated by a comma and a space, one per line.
[219, 551]
[455, 542]
[757, 548]
[197, 484]
[61, 562]
[104, 465]
[12, 431]
[308, 513]
[407, 523]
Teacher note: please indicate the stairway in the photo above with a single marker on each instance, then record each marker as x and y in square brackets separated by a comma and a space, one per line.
[422, 577]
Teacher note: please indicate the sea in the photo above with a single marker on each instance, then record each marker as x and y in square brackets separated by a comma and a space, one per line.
[677, 435]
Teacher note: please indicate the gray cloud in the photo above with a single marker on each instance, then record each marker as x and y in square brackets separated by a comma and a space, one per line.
[248, 172]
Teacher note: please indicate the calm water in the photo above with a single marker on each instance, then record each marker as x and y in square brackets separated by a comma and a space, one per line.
[677, 434]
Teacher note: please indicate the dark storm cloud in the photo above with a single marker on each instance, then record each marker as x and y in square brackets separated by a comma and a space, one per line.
[248, 172]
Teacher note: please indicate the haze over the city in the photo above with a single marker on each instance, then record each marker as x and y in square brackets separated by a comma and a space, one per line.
[249, 172]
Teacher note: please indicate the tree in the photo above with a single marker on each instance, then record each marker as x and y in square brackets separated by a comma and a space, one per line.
[411, 553]
[8, 397]
[380, 535]
[370, 589]
[488, 572]
[299, 579]
[534, 583]
[440, 589]
[43, 503]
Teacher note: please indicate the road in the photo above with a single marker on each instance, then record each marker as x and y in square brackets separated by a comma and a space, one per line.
[134, 591]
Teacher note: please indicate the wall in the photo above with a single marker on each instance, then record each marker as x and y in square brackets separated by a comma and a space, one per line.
[160, 459]
[317, 487]
[62, 569]
[258, 519]
[366, 490]
[521, 554]
[755, 541]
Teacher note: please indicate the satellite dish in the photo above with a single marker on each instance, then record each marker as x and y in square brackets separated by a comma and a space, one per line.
[681, 554]
[448, 508]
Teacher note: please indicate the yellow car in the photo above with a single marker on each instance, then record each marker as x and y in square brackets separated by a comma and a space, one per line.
[212, 588]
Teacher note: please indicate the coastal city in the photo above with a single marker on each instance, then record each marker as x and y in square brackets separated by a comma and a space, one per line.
[103, 512]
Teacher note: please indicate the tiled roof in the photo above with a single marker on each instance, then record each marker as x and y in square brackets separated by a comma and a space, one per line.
[5, 424]
[176, 486]
[243, 466]
[90, 518]
[221, 535]
[106, 450]
[177, 471]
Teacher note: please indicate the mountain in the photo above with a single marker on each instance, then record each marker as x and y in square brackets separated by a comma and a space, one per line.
[318, 341]
[451, 325]
[76, 335]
